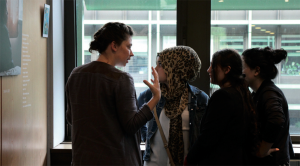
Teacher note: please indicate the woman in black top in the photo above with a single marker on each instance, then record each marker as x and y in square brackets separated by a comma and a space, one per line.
[272, 107]
[228, 128]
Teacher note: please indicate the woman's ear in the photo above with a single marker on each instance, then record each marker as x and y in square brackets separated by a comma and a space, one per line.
[113, 46]
[257, 71]
[227, 70]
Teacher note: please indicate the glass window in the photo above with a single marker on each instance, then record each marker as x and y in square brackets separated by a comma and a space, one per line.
[154, 31]
[257, 27]
[232, 15]
[265, 14]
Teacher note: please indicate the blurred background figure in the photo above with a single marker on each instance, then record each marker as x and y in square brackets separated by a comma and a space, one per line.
[7, 66]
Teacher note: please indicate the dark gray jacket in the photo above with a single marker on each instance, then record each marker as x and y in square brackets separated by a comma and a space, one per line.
[103, 112]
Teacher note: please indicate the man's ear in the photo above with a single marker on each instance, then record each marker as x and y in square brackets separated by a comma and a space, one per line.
[227, 70]
[257, 71]
[113, 46]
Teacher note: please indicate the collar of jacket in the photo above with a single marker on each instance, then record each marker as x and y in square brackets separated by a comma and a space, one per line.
[194, 91]
[262, 86]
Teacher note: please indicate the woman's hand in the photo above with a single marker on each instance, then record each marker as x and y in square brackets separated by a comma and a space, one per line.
[155, 88]
[262, 155]
[265, 149]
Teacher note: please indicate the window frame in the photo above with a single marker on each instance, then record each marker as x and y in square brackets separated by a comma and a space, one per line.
[186, 28]
[70, 50]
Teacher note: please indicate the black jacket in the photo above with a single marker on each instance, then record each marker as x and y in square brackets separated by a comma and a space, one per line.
[223, 132]
[274, 122]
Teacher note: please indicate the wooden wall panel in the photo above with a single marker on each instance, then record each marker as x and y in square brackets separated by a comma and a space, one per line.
[24, 97]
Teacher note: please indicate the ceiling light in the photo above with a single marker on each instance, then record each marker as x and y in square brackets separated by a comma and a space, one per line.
[268, 31]
[221, 0]
[286, 0]
[253, 25]
[297, 51]
[262, 30]
[272, 33]
[257, 27]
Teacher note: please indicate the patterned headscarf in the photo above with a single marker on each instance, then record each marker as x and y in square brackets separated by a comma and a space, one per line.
[181, 64]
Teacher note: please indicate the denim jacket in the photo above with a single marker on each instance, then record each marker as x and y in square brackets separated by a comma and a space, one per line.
[197, 106]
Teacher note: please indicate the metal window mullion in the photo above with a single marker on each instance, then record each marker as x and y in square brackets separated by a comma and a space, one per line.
[213, 22]
[82, 50]
[158, 32]
[131, 22]
[249, 28]
[149, 44]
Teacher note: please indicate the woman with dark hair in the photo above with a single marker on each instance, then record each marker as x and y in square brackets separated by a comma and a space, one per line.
[180, 109]
[228, 129]
[102, 106]
[271, 105]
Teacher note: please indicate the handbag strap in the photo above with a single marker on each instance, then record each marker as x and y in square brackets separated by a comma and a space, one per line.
[163, 137]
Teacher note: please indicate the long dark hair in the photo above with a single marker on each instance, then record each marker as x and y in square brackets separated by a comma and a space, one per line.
[112, 31]
[265, 58]
[230, 57]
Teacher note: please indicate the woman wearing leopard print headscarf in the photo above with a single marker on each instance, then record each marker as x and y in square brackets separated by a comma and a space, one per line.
[180, 109]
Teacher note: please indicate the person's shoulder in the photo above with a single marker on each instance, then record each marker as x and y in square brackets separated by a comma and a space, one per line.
[124, 75]
[268, 85]
[119, 71]
[271, 93]
[118, 74]
[224, 98]
[146, 94]
[230, 90]
[123, 78]
[81, 67]
[271, 90]
[232, 93]
[91, 67]
[224, 93]
[200, 94]
[107, 71]
[76, 71]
